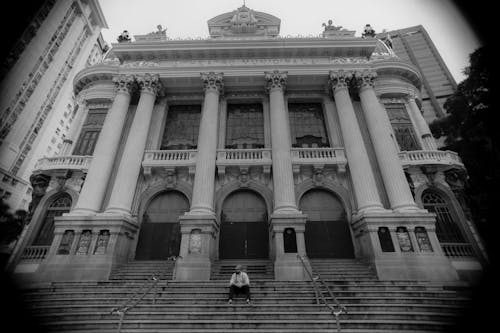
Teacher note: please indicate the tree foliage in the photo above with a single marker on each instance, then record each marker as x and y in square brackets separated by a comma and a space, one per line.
[11, 224]
[470, 130]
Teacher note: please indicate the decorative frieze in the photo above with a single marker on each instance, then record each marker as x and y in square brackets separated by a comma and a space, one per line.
[275, 80]
[213, 82]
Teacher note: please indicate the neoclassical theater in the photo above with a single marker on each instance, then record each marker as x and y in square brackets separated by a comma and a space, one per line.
[249, 145]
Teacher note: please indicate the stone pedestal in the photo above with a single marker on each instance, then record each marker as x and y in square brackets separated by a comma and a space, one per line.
[286, 265]
[198, 247]
[412, 258]
[90, 260]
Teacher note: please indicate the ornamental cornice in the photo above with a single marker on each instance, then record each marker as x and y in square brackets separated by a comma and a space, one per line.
[275, 80]
[213, 82]
[398, 69]
[92, 74]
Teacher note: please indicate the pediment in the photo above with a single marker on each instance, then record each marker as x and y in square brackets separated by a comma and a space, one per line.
[244, 22]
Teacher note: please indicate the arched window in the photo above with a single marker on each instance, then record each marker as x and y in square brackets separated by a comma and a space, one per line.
[447, 229]
[61, 205]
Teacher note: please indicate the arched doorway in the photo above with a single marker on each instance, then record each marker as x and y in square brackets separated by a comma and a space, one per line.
[244, 230]
[160, 235]
[60, 205]
[327, 232]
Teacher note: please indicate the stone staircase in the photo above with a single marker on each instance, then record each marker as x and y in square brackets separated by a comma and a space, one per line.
[278, 307]
[256, 269]
[143, 269]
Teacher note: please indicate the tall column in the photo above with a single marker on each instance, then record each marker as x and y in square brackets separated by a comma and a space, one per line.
[199, 225]
[94, 188]
[422, 127]
[378, 123]
[284, 192]
[204, 178]
[363, 180]
[129, 168]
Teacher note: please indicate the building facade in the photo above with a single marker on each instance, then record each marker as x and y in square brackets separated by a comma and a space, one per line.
[248, 145]
[37, 104]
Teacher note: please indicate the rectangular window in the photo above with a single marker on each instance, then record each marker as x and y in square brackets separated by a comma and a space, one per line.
[245, 126]
[402, 126]
[307, 125]
[181, 129]
[90, 132]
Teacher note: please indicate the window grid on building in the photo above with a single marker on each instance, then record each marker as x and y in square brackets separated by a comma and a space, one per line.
[307, 125]
[245, 126]
[90, 132]
[447, 229]
[182, 126]
[402, 126]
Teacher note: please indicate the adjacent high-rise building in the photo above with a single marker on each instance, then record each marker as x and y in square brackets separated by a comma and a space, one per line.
[414, 45]
[37, 103]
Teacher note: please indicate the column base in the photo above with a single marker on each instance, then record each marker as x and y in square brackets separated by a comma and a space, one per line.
[287, 267]
[422, 262]
[198, 246]
[92, 265]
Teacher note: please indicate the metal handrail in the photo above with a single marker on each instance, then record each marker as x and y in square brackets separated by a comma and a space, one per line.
[335, 311]
[133, 300]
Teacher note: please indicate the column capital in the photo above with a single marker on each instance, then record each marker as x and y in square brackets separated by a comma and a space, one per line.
[275, 80]
[365, 78]
[123, 83]
[149, 83]
[213, 82]
[340, 79]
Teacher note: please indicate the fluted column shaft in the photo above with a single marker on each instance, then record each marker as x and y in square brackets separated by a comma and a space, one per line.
[122, 195]
[94, 188]
[422, 126]
[284, 192]
[204, 178]
[363, 180]
[378, 123]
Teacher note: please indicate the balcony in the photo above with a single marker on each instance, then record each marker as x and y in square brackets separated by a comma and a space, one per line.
[318, 158]
[445, 159]
[49, 165]
[169, 160]
[35, 253]
[243, 159]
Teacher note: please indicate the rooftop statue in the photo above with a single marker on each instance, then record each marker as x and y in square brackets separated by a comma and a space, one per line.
[331, 27]
[368, 32]
[124, 37]
[243, 20]
[159, 35]
[388, 41]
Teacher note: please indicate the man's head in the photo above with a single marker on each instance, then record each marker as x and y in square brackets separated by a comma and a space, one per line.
[237, 268]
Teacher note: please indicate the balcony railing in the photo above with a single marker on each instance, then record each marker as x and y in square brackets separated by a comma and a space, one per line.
[244, 156]
[318, 156]
[64, 162]
[168, 159]
[457, 250]
[420, 157]
[35, 253]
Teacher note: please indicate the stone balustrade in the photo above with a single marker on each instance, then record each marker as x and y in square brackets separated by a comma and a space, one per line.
[457, 250]
[64, 162]
[35, 253]
[244, 157]
[422, 157]
[321, 156]
[169, 159]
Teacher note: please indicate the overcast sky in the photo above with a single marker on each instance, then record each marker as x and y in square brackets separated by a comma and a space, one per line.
[446, 25]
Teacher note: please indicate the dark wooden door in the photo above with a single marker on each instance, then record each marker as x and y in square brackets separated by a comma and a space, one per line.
[327, 232]
[244, 233]
[160, 235]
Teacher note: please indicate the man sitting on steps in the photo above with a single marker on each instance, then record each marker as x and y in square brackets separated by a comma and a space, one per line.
[239, 284]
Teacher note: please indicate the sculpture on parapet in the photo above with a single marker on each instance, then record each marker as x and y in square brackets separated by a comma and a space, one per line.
[331, 27]
[388, 41]
[368, 32]
[124, 37]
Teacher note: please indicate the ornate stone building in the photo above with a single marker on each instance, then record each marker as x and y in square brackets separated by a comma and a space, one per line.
[248, 145]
